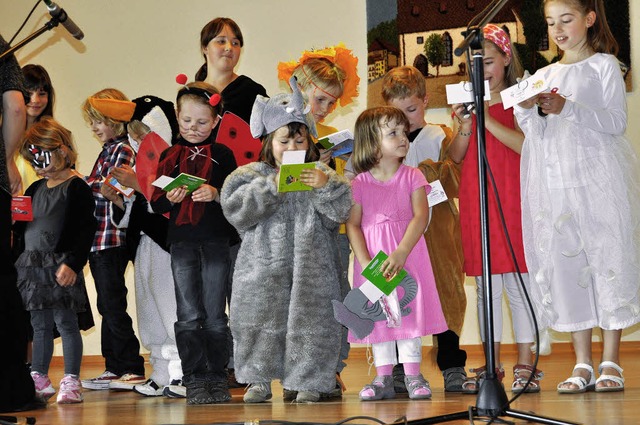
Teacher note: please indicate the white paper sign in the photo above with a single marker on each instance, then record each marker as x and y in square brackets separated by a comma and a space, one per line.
[437, 194]
[462, 92]
[162, 181]
[293, 157]
[522, 91]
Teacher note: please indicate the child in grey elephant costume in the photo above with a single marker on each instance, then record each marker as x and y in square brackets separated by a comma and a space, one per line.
[287, 272]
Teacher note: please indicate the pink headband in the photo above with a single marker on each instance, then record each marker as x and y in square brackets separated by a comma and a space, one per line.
[499, 37]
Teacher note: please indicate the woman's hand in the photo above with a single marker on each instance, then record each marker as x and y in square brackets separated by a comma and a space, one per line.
[314, 177]
[205, 193]
[65, 276]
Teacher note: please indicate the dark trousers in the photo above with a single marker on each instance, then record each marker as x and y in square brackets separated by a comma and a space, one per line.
[120, 347]
[449, 352]
[200, 272]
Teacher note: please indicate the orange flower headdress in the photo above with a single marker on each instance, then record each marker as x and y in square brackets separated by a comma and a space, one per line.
[340, 56]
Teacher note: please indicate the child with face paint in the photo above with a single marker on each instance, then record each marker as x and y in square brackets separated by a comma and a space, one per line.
[56, 246]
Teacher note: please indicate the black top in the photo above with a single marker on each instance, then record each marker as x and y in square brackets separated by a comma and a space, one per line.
[239, 95]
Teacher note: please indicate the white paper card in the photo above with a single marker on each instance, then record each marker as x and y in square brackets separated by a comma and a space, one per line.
[371, 291]
[293, 157]
[522, 91]
[437, 194]
[462, 92]
[162, 181]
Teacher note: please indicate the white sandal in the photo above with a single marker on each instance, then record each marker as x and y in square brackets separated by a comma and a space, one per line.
[618, 380]
[582, 384]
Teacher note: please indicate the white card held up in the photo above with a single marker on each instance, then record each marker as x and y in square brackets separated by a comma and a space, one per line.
[522, 91]
[293, 157]
[462, 92]
[437, 194]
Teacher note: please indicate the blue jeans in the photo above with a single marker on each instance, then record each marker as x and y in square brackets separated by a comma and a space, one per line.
[200, 272]
[66, 321]
[120, 347]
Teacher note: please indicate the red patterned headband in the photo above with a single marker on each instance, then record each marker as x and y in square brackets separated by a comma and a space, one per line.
[499, 37]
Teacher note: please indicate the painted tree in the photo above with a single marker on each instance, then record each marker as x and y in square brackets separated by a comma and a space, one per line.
[434, 50]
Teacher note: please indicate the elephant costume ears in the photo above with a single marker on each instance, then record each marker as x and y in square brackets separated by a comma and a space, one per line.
[269, 114]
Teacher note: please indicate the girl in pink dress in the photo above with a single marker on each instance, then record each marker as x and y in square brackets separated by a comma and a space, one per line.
[390, 214]
[503, 145]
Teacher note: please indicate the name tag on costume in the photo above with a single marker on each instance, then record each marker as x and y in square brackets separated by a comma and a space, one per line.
[437, 194]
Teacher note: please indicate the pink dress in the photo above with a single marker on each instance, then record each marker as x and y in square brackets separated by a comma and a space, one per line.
[386, 213]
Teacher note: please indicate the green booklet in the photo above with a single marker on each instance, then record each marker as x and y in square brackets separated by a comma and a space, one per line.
[335, 139]
[290, 177]
[374, 275]
[167, 183]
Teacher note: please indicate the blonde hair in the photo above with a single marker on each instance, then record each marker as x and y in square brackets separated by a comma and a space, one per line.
[48, 134]
[201, 95]
[403, 82]
[92, 114]
[321, 73]
[368, 134]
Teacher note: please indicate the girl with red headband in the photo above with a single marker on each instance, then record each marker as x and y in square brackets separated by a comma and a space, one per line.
[503, 145]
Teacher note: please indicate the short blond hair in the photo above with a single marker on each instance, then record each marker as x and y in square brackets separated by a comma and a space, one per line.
[403, 82]
[321, 73]
[91, 114]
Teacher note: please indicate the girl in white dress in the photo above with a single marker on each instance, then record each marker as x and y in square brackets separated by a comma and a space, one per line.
[580, 194]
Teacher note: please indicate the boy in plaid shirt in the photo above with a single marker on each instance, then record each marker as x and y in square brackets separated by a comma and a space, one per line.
[107, 113]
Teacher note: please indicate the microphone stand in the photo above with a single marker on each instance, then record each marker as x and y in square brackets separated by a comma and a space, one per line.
[53, 22]
[492, 400]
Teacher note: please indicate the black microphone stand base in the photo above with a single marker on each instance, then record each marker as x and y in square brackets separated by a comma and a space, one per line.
[489, 405]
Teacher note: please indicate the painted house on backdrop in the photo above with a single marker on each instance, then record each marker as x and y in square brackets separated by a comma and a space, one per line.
[418, 19]
[381, 57]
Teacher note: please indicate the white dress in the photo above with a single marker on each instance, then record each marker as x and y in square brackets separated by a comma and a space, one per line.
[581, 201]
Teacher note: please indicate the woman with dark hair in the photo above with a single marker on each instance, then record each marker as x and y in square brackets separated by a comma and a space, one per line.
[221, 42]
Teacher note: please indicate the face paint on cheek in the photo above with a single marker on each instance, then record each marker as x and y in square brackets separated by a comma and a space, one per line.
[41, 157]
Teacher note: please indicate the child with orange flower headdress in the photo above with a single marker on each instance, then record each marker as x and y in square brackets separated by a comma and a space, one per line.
[327, 77]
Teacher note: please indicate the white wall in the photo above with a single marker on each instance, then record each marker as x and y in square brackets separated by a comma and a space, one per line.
[140, 46]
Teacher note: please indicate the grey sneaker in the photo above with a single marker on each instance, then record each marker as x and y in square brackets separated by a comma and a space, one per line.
[418, 387]
[307, 397]
[380, 388]
[258, 393]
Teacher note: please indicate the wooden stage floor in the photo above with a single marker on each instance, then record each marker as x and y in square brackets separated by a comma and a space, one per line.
[128, 408]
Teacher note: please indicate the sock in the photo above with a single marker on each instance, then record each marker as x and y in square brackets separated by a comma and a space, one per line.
[384, 370]
[411, 369]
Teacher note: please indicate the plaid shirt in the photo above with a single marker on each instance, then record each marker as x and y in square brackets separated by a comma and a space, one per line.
[115, 153]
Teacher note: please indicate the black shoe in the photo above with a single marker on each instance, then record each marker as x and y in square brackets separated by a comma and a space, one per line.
[289, 395]
[219, 391]
[197, 393]
[454, 378]
[398, 379]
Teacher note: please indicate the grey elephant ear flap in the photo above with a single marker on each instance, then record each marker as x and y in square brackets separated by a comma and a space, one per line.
[256, 123]
[298, 104]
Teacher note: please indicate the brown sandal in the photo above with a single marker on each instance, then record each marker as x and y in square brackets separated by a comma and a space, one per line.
[521, 374]
[471, 385]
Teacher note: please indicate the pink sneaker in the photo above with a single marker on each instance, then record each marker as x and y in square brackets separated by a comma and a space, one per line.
[44, 389]
[70, 390]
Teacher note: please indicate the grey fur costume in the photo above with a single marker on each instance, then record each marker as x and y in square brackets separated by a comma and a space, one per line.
[286, 275]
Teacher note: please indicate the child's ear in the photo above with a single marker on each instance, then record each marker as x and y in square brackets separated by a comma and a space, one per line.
[425, 101]
[591, 18]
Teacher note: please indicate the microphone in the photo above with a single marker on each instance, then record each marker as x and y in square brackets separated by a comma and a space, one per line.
[58, 13]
